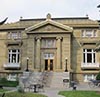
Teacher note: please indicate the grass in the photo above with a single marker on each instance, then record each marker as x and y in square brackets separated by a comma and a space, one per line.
[79, 93]
[17, 94]
[2, 90]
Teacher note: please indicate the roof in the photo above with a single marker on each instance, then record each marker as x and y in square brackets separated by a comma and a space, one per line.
[63, 18]
[69, 21]
[48, 21]
[10, 26]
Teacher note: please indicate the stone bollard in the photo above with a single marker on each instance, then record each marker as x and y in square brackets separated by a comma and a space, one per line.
[74, 87]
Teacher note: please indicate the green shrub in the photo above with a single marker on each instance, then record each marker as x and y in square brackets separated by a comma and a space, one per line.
[20, 89]
[3, 79]
[98, 76]
[27, 94]
[5, 82]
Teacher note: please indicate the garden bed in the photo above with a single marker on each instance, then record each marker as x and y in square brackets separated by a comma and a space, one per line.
[17, 94]
[5, 83]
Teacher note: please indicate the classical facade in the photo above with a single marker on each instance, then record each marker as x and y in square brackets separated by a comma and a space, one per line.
[51, 44]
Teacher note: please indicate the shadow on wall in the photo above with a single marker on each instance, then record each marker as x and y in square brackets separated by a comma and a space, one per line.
[75, 55]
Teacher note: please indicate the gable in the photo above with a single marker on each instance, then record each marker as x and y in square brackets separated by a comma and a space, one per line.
[49, 26]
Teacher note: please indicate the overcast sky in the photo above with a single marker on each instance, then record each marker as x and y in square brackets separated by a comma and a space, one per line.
[14, 9]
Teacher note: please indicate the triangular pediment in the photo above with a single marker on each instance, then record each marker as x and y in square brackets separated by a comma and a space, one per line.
[49, 26]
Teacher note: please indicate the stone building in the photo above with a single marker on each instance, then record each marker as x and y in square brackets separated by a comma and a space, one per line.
[51, 44]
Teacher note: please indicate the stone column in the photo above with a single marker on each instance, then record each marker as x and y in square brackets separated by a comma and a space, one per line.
[59, 58]
[38, 53]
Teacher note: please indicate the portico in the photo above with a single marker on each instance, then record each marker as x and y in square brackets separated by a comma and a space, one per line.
[51, 45]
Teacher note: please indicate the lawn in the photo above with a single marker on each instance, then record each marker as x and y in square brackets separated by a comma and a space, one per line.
[2, 90]
[17, 94]
[80, 93]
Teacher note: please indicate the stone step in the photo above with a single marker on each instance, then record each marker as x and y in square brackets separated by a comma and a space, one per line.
[57, 79]
[52, 79]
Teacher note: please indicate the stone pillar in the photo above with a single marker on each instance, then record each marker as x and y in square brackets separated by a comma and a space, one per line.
[59, 58]
[30, 52]
[33, 55]
[38, 43]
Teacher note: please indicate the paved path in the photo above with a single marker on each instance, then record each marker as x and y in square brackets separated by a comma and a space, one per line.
[85, 86]
[52, 92]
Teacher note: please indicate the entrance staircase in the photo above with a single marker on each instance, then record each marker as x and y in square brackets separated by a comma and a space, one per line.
[47, 79]
[60, 80]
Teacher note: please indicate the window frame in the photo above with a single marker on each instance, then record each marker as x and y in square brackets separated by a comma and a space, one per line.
[86, 32]
[13, 57]
[14, 35]
[48, 55]
[87, 77]
[46, 43]
[86, 53]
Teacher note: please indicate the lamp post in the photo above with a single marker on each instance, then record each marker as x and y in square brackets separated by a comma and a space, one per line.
[27, 64]
[66, 64]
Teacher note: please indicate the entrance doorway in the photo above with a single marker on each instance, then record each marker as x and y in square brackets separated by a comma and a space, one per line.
[49, 64]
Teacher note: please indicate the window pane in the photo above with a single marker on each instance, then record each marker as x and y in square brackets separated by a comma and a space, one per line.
[9, 35]
[84, 58]
[89, 58]
[83, 50]
[88, 33]
[88, 77]
[94, 33]
[13, 50]
[89, 50]
[18, 59]
[14, 35]
[13, 56]
[94, 57]
[48, 43]
[9, 58]
[48, 56]
[19, 34]
[83, 33]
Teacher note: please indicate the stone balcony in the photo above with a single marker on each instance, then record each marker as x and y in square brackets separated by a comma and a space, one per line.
[12, 66]
[90, 66]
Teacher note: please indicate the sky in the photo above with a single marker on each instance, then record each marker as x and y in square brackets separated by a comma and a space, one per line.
[30, 9]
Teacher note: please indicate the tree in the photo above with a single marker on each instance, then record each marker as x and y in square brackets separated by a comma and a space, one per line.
[98, 76]
[98, 6]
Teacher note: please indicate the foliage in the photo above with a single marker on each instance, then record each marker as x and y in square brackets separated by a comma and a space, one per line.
[5, 82]
[79, 93]
[28, 94]
[20, 89]
[2, 90]
[98, 76]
